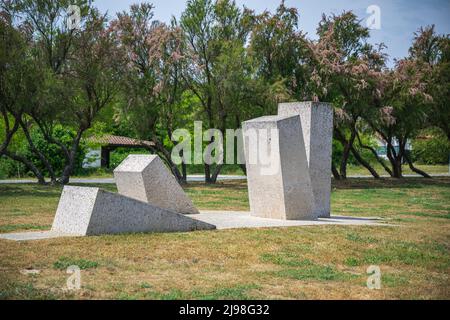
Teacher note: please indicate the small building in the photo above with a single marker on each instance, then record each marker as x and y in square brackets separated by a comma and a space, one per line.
[100, 157]
[382, 146]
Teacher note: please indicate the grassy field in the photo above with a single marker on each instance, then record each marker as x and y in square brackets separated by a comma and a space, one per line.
[430, 169]
[315, 262]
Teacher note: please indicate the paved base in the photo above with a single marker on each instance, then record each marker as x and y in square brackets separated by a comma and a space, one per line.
[243, 219]
[227, 220]
[35, 235]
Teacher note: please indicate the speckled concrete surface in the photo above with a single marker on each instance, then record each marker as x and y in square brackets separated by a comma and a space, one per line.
[35, 235]
[317, 128]
[146, 178]
[285, 193]
[92, 211]
[75, 208]
[230, 220]
[243, 219]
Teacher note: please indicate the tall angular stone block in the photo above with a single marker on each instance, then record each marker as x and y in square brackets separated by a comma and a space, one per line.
[86, 211]
[279, 188]
[146, 178]
[317, 132]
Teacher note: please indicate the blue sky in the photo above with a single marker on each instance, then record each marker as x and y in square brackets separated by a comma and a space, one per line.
[399, 18]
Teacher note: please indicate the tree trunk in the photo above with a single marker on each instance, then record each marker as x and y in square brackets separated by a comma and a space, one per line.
[375, 154]
[396, 161]
[335, 172]
[207, 173]
[414, 169]
[366, 164]
[37, 152]
[70, 162]
[347, 144]
[9, 134]
[216, 173]
[183, 168]
[28, 164]
[344, 161]
[166, 157]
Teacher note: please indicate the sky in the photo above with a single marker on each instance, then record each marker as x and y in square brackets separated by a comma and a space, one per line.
[399, 19]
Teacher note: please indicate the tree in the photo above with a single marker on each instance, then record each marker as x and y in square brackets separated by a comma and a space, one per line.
[92, 76]
[434, 50]
[345, 71]
[215, 35]
[13, 69]
[81, 69]
[19, 79]
[440, 88]
[152, 80]
[402, 109]
[280, 51]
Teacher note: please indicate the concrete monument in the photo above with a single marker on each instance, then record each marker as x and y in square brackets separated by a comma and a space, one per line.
[279, 188]
[317, 133]
[84, 211]
[146, 178]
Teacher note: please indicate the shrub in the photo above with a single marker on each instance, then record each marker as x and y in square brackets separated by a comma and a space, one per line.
[53, 152]
[434, 149]
[10, 168]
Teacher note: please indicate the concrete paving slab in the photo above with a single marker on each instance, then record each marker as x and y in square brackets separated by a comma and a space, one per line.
[229, 220]
[243, 219]
[35, 235]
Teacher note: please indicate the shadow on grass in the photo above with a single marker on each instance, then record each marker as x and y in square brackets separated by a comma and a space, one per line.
[366, 183]
[233, 185]
[25, 190]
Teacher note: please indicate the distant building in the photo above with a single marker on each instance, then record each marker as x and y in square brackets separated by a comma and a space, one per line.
[100, 157]
[382, 146]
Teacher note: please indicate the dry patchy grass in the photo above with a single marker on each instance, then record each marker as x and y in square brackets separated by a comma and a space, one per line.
[316, 262]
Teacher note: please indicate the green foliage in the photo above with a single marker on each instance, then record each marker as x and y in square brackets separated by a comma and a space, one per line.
[221, 64]
[352, 262]
[64, 262]
[118, 155]
[433, 149]
[53, 152]
[15, 227]
[10, 168]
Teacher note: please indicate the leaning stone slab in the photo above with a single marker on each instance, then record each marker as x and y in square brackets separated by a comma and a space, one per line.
[279, 186]
[317, 126]
[91, 211]
[146, 178]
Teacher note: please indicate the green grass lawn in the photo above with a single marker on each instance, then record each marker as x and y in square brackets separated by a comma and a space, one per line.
[430, 169]
[314, 262]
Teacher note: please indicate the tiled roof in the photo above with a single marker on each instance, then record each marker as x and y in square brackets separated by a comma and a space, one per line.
[108, 139]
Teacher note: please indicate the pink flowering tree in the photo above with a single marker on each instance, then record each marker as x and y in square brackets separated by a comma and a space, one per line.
[345, 70]
[78, 69]
[152, 86]
[401, 110]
